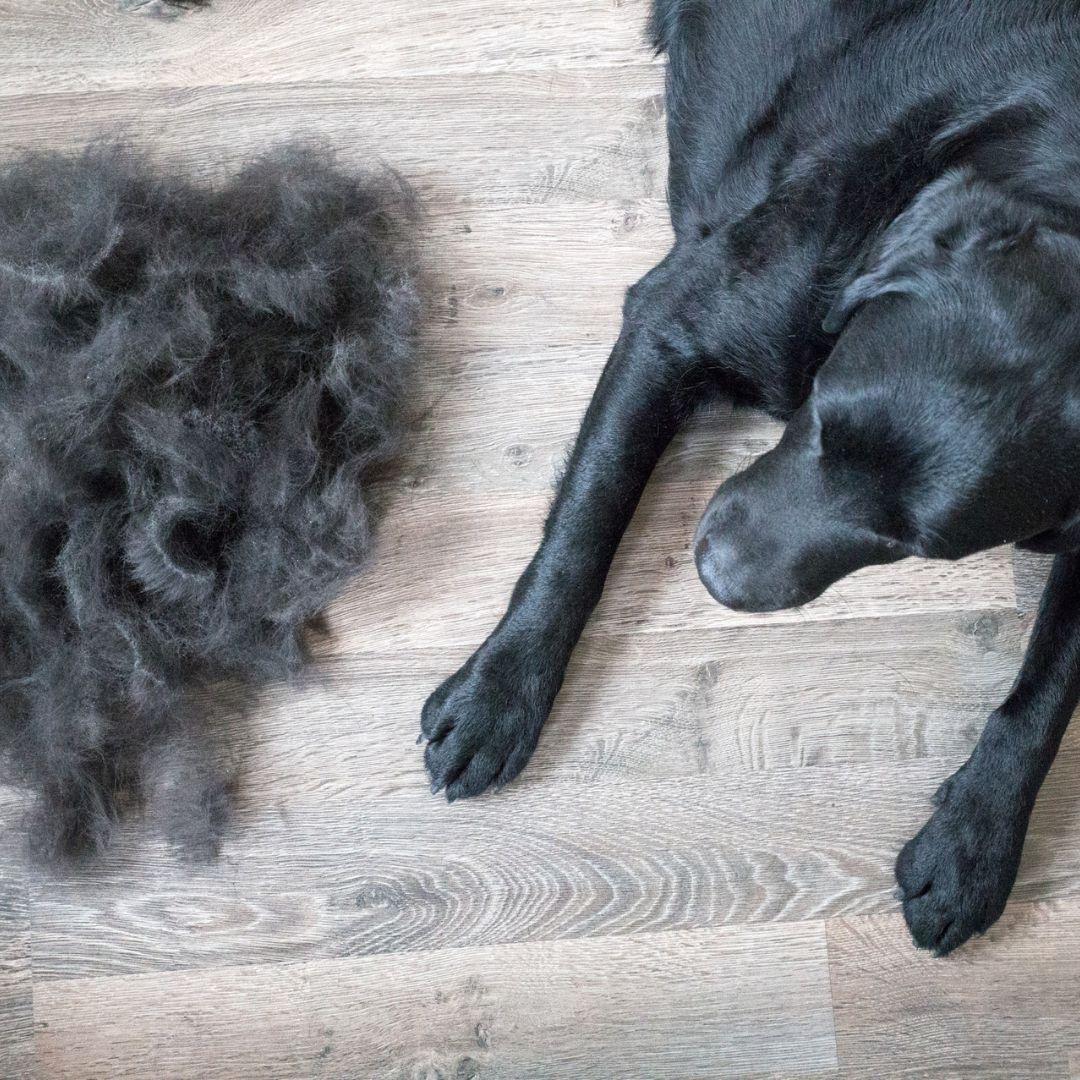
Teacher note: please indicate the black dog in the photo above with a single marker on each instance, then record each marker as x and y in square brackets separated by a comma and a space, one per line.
[877, 215]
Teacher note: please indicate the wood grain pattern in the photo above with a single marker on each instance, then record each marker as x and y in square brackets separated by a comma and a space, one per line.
[970, 1015]
[401, 873]
[557, 137]
[17, 1057]
[303, 41]
[735, 1002]
[694, 877]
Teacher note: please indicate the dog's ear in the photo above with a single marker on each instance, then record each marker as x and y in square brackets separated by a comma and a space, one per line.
[897, 264]
[885, 279]
[955, 215]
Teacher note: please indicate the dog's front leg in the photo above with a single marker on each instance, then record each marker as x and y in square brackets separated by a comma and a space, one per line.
[483, 723]
[956, 875]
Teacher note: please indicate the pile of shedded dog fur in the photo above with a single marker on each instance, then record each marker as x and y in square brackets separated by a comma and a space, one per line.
[195, 387]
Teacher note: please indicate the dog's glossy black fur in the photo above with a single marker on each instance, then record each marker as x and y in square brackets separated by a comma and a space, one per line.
[877, 215]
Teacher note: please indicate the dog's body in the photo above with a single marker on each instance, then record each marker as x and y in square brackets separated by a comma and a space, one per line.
[877, 215]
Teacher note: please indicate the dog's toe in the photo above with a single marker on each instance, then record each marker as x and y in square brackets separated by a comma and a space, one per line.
[473, 755]
[934, 925]
[436, 729]
[477, 776]
[443, 763]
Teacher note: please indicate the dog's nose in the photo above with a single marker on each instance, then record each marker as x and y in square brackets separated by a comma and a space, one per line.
[742, 583]
[723, 573]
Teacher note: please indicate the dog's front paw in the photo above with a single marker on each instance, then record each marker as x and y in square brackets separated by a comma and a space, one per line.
[956, 875]
[483, 723]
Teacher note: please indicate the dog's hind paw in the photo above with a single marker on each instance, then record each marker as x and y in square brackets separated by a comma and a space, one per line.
[484, 722]
[955, 876]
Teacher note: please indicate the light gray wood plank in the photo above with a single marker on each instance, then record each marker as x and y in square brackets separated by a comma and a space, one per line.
[337, 871]
[84, 45]
[543, 137]
[750, 699]
[708, 1004]
[17, 1057]
[1004, 1006]
[526, 274]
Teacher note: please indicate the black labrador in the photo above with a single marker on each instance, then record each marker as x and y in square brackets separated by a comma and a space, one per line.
[876, 206]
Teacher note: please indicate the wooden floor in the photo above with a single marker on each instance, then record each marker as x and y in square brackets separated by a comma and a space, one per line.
[694, 876]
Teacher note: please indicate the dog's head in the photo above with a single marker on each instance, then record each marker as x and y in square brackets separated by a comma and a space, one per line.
[945, 421]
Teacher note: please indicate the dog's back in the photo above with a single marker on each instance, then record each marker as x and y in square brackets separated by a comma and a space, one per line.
[851, 106]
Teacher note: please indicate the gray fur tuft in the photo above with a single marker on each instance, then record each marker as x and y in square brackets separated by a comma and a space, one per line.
[196, 388]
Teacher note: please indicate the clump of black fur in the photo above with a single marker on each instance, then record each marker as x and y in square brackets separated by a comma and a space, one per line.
[195, 387]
